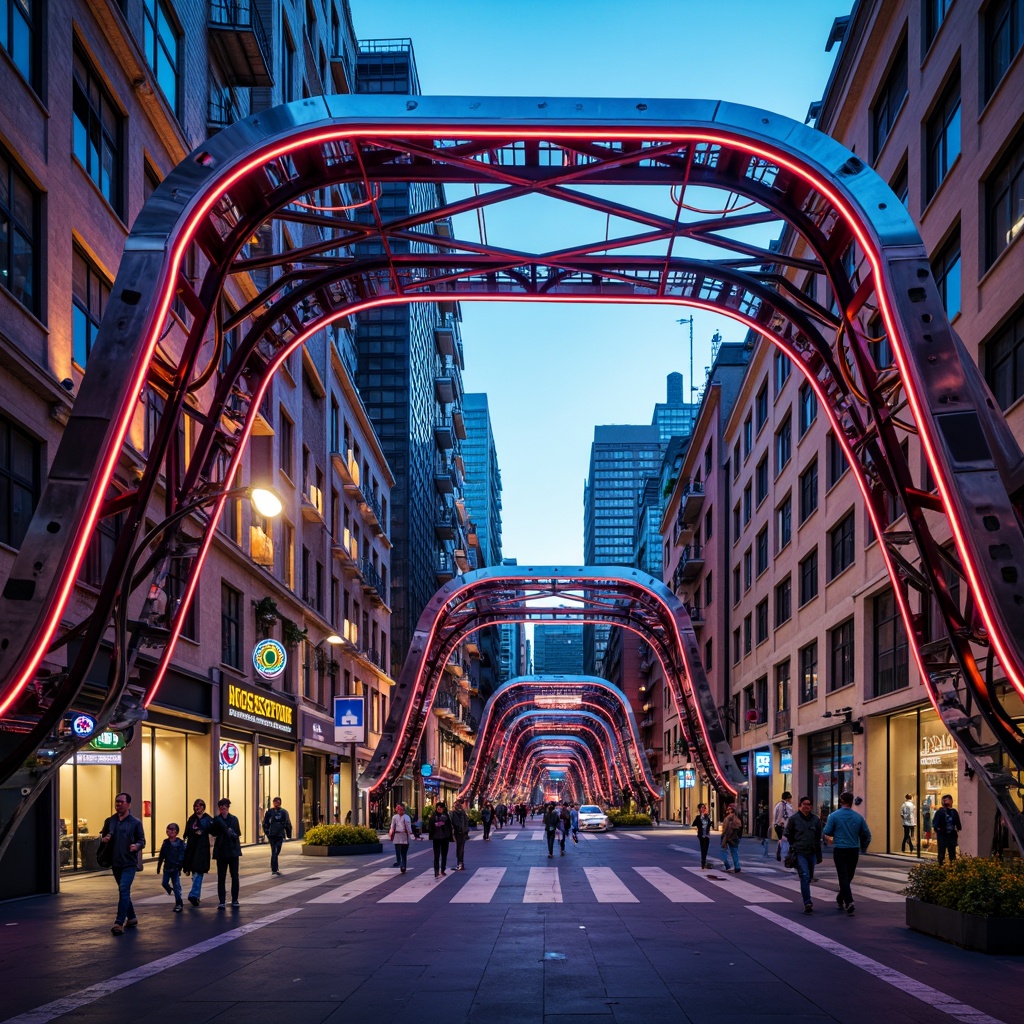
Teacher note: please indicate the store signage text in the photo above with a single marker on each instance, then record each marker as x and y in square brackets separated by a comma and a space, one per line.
[762, 762]
[230, 755]
[687, 778]
[255, 709]
[786, 761]
[98, 757]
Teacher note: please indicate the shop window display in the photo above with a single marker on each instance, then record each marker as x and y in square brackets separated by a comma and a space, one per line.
[831, 757]
[175, 772]
[86, 800]
[235, 767]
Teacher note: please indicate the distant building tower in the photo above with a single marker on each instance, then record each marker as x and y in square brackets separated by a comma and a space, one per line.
[558, 649]
[483, 477]
[674, 417]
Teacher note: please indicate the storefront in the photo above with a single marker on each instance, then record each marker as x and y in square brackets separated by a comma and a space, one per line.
[922, 762]
[256, 752]
[831, 765]
[88, 784]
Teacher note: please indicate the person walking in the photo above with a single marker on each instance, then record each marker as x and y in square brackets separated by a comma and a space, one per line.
[440, 833]
[732, 830]
[276, 825]
[197, 849]
[908, 816]
[803, 833]
[574, 821]
[782, 813]
[122, 840]
[564, 825]
[400, 833]
[460, 832]
[703, 824]
[172, 855]
[551, 819]
[655, 814]
[849, 835]
[227, 848]
[486, 818]
[946, 826]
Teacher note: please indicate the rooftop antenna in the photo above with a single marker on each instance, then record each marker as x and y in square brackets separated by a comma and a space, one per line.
[689, 320]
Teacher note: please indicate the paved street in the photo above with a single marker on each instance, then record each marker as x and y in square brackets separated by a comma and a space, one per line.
[625, 927]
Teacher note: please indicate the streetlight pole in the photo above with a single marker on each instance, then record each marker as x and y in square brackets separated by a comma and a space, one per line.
[689, 320]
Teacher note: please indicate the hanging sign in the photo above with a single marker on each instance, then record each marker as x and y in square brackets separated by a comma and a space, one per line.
[786, 760]
[687, 778]
[83, 726]
[230, 755]
[108, 740]
[255, 708]
[762, 763]
[349, 720]
[269, 658]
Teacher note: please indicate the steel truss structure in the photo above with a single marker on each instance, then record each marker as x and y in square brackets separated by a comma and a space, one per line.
[954, 517]
[532, 723]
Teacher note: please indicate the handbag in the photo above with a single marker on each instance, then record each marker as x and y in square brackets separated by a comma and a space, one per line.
[105, 854]
[790, 860]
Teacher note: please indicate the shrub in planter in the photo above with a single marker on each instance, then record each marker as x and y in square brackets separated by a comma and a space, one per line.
[474, 816]
[340, 835]
[971, 885]
[624, 819]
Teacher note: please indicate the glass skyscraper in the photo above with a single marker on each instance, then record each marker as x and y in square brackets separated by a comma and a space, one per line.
[483, 477]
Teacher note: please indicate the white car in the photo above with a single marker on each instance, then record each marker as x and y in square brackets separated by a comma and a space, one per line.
[592, 818]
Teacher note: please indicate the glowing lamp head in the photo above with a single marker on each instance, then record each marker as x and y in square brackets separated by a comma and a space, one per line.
[334, 639]
[266, 502]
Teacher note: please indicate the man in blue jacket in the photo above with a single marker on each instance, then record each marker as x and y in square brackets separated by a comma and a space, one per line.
[849, 835]
[124, 837]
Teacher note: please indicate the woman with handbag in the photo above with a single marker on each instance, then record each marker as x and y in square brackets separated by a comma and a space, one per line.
[400, 834]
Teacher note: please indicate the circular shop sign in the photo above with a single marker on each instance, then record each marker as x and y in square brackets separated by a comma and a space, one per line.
[230, 755]
[83, 726]
[269, 658]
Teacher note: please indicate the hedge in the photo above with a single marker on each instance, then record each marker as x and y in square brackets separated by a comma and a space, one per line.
[972, 885]
[340, 835]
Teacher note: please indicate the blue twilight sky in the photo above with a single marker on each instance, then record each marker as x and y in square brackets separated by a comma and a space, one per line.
[553, 372]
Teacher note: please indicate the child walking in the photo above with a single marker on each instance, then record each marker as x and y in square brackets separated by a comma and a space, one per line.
[172, 856]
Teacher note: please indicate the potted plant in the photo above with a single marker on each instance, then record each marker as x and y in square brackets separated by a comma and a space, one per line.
[292, 634]
[972, 902]
[340, 841]
[266, 616]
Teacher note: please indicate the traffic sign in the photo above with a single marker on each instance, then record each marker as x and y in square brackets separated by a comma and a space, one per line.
[349, 720]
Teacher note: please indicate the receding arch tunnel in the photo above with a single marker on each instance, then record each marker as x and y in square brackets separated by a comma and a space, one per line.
[854, 236]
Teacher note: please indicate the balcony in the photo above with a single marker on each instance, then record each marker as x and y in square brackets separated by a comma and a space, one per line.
[692, 500]
[261, 547]
[443, 479]
[647, 722]
[347, 553]
[370, 509]
[237, 37]
[462, 560]
[444, 522]
[347, 468]
[444, 567]
[373, 584]
[444, 434]
[312, 504]
[459, 423]
[646, 663]
[444, 339]
[444, 386]
[445, 707]
[696, 614]
[783, 721]
[691, 561]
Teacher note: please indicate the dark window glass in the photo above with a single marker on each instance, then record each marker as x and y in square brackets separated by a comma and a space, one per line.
[100, 552]
[809, 672]
[1004, 361]
[286, 442]
[808, 407]
[946, 268]
[784, 522]
[748, 505]
[762, 551]
[89, 293]
[783, 601]
[809, 489]
[162, 49]
[230, 626]
[837, 464]
[841, 545]
[748, 435]
[901, 186]
[841, 655]
[707, 460]
[783, 444]
[19, 234]
[761, 480]
[97, 130]
[1004, 34]
[942, 134]
[19, 482]
[890, 646]
[934, 14]
[761, 406]
[748, 569]
[748, 639]
[890, 100]
[782, 677]
[708, 591]
[783, 368]
[708, 651]
[762, 621]
[1004, 200]
[809, 577]
[177, 584]
[20, 34]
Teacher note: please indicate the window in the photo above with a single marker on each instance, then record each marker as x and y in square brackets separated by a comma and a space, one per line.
[286, 442]
[901, 186]
[708, 650]
[20, 23]
[890, 646]
[1004, 200]
[748, 640]
[946, 268]
[935, 12]
[162, 49]
[97, 130]
[784, 524]
[783, 368]
[287, 554]
[809, 672]
[735, 584]
[783, 444]
[1004, 361]
[736, 523]
[762, 621]
[762, 551]
[761, 480]
[230, 626]
[761, 406]
[783, 601]
[942, 135]
[708, 593]
[707, 460]
[19, 234]
[748, 504]
[837, 464]
[809, 577]
[19, 482]
[736, 645]
[748, 569]
[89, 293]
[782, 677]
[748, 435]
[889, 101]
[1004, 34]
[840, 642]
[736, 460]
[841, 545]
[809, 489]
[808, 407]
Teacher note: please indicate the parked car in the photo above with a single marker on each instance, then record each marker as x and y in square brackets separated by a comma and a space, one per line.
[592, 818]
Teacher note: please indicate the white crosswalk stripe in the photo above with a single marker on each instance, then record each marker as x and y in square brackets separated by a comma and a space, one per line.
[607, 886]
[481, 886]
[745, 890]
[633, 835]
[415, 889]
[293, 888]
[508, 837]
[608, 835]
[674, 889]
[543, 886]
[791, 881]
[209, 887]
[356, 887]
[539, 835]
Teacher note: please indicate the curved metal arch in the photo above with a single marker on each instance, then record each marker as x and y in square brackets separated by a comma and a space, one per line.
[216, 200]
[557, 746]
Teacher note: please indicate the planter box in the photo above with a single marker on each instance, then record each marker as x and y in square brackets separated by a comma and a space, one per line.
[351, 850]
[986, 934]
